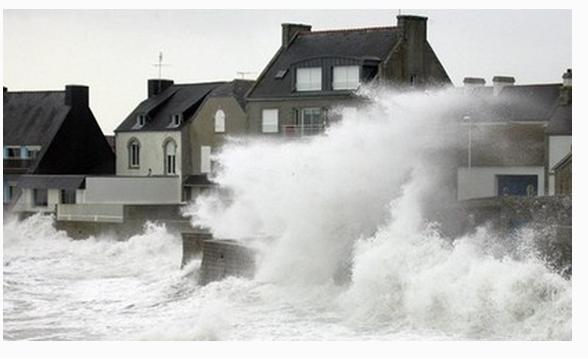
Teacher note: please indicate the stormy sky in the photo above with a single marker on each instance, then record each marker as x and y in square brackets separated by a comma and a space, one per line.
[113, 51]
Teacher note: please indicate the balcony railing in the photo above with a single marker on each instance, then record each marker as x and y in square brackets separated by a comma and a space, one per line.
[17, 165]
[293, 130]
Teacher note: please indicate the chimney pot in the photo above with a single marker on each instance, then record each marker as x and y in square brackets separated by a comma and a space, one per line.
[499, 82]
[290, 30]
[76, 95]
[567, 78]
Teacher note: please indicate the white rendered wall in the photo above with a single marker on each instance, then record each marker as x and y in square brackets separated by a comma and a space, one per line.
[151, 152]
[132, 190]
[481, 182]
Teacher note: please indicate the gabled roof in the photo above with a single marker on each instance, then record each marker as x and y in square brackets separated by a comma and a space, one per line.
[525, 103]
[184, 99]
[236, 88]
[33, 117]
[361, 44]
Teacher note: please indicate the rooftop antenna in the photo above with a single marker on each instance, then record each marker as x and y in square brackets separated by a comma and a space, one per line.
[160, 64]
[244, 73]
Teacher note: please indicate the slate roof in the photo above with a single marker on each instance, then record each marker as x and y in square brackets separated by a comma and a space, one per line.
[525, 103]
[52, 181]
[182, 99]
[369, 43]
[560, 122]
[33, 117]
[236, 88]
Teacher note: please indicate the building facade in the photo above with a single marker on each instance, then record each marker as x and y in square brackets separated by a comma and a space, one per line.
[51, 141]
[316, 71]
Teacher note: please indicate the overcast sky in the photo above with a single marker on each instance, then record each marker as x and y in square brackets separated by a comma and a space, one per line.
[113, 51]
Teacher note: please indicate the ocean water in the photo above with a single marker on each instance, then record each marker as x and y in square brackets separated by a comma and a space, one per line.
[356, 200]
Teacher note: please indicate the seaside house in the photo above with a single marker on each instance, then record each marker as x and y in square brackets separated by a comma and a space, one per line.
[51, 142]
[164, 151]
[315, 71]
[512, 137]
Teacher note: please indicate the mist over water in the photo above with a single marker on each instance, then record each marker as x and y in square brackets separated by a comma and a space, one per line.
[358, 201]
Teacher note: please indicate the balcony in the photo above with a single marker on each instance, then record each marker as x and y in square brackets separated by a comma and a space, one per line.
[17, 165]
[293, 130]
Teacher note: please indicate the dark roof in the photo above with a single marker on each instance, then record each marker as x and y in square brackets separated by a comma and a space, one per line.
[361, 44]
[182, 99]
[33, 118]
[526, 103]
[198, 180]
[52, 181]
[236, 88]
[560, 122]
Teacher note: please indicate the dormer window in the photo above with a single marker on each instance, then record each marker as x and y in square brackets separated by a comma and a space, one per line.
[345, 77]
[141, 119]
[309, 79]
[176, 120]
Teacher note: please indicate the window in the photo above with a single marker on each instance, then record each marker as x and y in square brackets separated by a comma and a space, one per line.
[141, 120]
[308, 79]
[205, 159]
[11, 152]
[219, 121]
[134, 153]
[269, 121]
[40, 197]
[312, 121]
[8, 193]
[176, 120]
[517, 185]
[68, 196]
[345, 77]
[170, 157]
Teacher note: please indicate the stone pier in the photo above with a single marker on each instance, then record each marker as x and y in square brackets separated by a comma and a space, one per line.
[224, 258]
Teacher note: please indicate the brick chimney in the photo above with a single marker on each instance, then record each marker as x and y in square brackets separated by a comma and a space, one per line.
[156, 86]
[414, 37]
[499, 82]
[76, 96]
[290, 30]
[565, 96]
[469, 83]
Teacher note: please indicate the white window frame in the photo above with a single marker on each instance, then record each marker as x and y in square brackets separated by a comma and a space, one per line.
[141, 120]
[169, 162]
[134, 154]
[205, 161]
[176, 120]
[309, 79]
[346, 77]
[270, 120]
[219, 121]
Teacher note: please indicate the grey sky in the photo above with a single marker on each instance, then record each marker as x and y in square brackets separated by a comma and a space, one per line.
[113, 51]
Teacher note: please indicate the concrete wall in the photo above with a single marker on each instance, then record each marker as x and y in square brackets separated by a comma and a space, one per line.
[224, 258]
[133, 190]
[201, 130]
[559, 147]
[151, 152]
[481, 182]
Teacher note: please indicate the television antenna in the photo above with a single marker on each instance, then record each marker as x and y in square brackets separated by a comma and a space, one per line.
[160, 64]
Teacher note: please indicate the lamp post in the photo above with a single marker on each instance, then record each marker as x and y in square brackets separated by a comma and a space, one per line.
[469, 119]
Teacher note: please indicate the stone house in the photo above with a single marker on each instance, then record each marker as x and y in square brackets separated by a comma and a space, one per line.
[316, 71]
